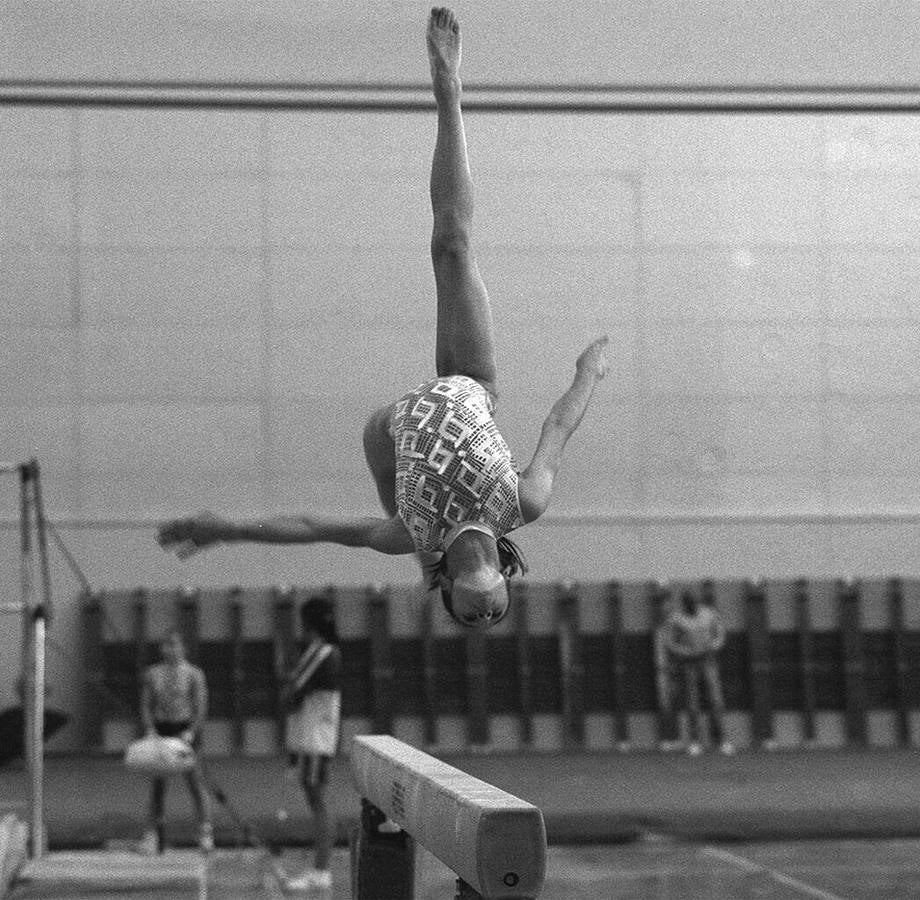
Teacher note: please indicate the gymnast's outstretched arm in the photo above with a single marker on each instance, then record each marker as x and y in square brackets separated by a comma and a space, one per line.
[535, 487]
[187, 536]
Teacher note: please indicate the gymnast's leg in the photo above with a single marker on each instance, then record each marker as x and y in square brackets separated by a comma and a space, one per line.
[465, 344]
[153, 836]
[314, 788]
[199, 797]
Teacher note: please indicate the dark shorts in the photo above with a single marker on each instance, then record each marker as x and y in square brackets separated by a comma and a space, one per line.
[314, 767]
[175, 729]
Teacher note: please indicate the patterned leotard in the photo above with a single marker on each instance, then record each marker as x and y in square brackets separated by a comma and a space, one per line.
[453, 469]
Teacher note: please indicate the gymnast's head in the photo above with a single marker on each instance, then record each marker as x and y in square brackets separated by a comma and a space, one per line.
[472, 577]
[172, 647]
[317, 617]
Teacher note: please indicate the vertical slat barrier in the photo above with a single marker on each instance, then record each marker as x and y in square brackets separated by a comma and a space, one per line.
[93, 718]
[381, 659]
[104, 661]
[187, 615]
[899, 660]
[759, 668]
[430, 672]
[806, 661]
[237, 669]
[617, 666]
[659, 599]
[284, 636]
[708, 593]
[520, 601]
[139, 636]
[331, 594]
[854, 661]
[571, 666]
[477, 687]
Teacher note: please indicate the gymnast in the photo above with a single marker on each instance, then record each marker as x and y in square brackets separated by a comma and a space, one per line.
[444, 474]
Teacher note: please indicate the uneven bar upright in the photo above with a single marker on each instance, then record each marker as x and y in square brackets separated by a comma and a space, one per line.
[494, 841]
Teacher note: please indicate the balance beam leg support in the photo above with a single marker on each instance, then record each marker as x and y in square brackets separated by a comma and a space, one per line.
[382, 858]
[465, 892]
[493, 841]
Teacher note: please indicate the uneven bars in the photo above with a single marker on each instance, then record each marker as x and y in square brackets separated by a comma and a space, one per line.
[34, 623]
[37, 761]
[494, 841]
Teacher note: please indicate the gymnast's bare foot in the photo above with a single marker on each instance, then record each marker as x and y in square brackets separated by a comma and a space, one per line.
[444, 49]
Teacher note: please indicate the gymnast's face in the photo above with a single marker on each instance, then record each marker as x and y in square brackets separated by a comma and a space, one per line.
[173, 649]
[474, 608]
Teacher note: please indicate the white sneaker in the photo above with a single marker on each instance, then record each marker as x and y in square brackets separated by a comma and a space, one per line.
[727, 748]
[694, 749]
[149, 844]
[311, 880]
[206, 838]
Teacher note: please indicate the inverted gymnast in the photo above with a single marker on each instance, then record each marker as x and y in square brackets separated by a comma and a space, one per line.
[443, 472]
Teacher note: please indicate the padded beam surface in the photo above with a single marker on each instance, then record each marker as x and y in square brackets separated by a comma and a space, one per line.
[493, 840]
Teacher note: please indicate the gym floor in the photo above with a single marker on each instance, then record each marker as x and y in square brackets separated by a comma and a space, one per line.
[656, 868]
[816, 823]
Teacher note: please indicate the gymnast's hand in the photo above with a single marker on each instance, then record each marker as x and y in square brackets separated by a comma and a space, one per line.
[593, 359]
[187, 536]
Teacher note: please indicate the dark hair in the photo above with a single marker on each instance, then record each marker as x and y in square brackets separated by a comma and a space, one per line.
[318, 614]
[511, 562]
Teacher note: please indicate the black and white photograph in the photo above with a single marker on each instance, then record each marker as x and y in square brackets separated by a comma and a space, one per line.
[459, 452]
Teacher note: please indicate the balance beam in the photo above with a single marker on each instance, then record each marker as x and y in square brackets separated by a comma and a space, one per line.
[493, 841]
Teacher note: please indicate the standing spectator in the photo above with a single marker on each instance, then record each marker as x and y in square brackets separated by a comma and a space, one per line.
[313, 696]
[696, 634]
[666, 686]
[174, 703]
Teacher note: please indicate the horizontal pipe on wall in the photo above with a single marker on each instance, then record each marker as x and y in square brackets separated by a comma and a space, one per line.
[490, 98]
[564, 520]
